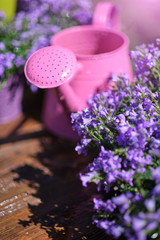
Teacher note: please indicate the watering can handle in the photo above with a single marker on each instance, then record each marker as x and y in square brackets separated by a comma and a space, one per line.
[106, 14]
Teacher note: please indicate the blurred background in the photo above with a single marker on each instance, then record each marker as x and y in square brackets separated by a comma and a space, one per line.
[139, 18]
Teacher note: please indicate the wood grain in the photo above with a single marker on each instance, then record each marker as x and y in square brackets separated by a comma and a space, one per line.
[41, 196]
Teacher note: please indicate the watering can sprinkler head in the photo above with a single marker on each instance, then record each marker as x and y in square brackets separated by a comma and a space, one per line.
[50, 67]
[53, 67]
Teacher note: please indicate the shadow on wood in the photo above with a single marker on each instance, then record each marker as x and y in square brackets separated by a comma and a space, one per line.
[65, 208]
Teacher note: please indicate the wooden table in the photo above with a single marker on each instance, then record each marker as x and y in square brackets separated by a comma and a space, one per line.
[41, 196]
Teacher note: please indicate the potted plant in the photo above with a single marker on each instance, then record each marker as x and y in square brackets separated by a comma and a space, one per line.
[12, 58]
[32, 28]
[122, 128]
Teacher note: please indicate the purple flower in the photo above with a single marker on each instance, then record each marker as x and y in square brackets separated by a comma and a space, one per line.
[2, 15]
[15, 43]
[138, 223]
[117, 231]
[97, 203]
[9, 57]
[150, 204]
[82, 17]
[81, 148]
[2, 46]
[127, 176]
[19, 61]
[156, 174]
[156, 190]
[121, 201]
[87, 178]
[151, 226]
[110, 206]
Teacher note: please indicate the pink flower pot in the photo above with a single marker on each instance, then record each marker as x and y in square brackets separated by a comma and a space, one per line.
[11, 100]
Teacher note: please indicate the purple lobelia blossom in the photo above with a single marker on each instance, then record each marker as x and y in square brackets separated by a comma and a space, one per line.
[61, 10]
[19, 61]
[122, 128]
[2, 15]
[2, 46]
[146, 64]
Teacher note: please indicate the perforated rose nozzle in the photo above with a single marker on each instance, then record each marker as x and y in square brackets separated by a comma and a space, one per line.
[50, 67]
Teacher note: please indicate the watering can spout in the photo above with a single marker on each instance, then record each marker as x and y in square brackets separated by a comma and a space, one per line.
[69, 98]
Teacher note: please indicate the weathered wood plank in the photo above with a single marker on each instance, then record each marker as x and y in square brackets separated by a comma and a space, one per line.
[41, 196]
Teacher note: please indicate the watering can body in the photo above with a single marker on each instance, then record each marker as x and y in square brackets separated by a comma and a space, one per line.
[77, 65]
[91, 79]
[100, 49]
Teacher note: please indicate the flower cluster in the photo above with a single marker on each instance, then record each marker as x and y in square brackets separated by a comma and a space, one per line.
[80, 11]
[137, 213]
[12, 50]
[146, 64]
[122, 125]
[34, 25]
[45, 18]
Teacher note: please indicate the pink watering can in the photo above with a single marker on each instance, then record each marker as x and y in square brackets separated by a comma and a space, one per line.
[77, 64]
